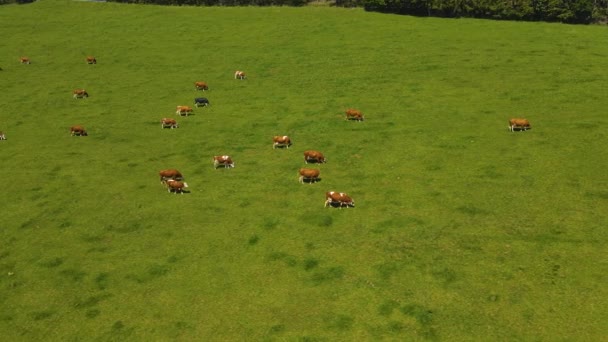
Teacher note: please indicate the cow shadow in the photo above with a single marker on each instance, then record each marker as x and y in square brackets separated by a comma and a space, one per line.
[310, 180]
[519, 129]
[282, 146]
[340, 205]
[179, 192]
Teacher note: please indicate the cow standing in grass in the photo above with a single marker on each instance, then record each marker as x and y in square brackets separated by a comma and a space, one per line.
[78, 130]
[201, 102]
[184, 110]
[338, 200]
[353, 114]
[308, 175]
[281, 141]
[91, 60]
[2, 136]
[168, 123]
[519, 124]
[201, 86]
[176, 186]
[80, 94]
[24, 60]
[239, 75]
[170, 174]
[312, 156]
[224, 161]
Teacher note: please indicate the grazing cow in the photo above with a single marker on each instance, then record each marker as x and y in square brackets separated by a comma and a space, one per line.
[78, 131]
[314, 157]
[168, 123]
[184, 110]
[201, 102]
[224, 161]
[239, 75]
[309, 175]
[80, 94]
[353, 114]
[281, 141]
[2, 136]
[201, 86]
[519, 124]
[176, 186]
[24, 60]
[338, 199]
[170, 174]
[91, 60]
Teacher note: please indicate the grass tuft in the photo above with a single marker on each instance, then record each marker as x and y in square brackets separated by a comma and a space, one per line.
[253, 240]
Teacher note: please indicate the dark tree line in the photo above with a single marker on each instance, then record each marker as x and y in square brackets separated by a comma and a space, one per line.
[218, 2]
[4, 2]
[566, 11]
[339, 3]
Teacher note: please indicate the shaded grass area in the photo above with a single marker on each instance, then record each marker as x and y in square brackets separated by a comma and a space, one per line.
[462, 229]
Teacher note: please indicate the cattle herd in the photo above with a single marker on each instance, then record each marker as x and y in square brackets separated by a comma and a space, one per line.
[174, 180]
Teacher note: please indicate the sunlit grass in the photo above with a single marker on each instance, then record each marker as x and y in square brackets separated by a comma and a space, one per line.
[462, 230]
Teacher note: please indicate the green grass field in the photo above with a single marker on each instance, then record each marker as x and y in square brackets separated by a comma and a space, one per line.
[462, 229]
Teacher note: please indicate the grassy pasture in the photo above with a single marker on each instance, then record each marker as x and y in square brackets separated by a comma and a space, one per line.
[462, 230]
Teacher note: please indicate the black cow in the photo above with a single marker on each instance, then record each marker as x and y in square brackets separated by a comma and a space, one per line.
[201, 102]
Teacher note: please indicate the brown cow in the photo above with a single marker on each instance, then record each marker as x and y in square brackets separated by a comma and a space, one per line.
[170, 174]
[281, 141]
[176, 186]
[519, 124]
[168, 123]
[2, 136]
[80, 94]
[309, 175]
[353, 114]
[314, 157]
[78, 131]
[184, 110]
[224, 161]
[201, 86]
[91, 60]
[239, 75]
[338, 199]
[24, 60]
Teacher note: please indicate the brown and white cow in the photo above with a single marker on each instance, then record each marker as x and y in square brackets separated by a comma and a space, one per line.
[78, 131]
[170, 174]
[281, 141]
[91, 60]
[176, 186]
[168, 123]
[224, 161]
[201, 86]
[184, 110]
[354, 114]
[24, 60]
[309, 175]
[2, 136]
[312, 156]
[338, 200]
[80, 93]
[239, 75]
[519, 124]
